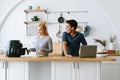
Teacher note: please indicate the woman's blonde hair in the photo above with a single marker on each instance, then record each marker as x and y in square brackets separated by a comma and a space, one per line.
[43, 26]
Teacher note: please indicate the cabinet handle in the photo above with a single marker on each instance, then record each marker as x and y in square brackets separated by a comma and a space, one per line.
[6, 64]
[3, 65]
[73, 65]
[78, 65]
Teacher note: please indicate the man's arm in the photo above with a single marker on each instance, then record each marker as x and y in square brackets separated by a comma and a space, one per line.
[64, 43]
[83, 40]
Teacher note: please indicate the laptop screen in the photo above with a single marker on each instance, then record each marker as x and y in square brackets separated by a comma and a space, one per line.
[88, 51]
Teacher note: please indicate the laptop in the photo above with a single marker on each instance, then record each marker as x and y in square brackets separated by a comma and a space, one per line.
[88, 51]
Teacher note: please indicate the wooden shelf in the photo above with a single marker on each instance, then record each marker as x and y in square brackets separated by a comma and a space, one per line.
[64, 23]
[31, 22]
[41, 10]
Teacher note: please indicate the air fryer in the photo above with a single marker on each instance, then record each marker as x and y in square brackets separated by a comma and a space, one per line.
[14, 49]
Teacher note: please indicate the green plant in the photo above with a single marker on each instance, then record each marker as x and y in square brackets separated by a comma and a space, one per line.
[35, 18]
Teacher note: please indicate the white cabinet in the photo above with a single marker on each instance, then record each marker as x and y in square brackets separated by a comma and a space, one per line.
[110, 70]
[2, 70]
[61, 71]
[75, 71]
[17, 70]
[40, 70]
[88, 71]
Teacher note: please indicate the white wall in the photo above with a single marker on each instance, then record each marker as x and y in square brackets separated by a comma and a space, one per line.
[5, 6]
[99, 20]
[112, 9]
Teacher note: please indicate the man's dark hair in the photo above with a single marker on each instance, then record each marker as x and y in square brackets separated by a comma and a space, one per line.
[72, 23]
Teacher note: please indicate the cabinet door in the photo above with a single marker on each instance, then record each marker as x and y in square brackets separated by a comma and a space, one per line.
[40, 70]
[88, 71]
[2, 70]
[61, 71]
[17, 70]
[110, 70]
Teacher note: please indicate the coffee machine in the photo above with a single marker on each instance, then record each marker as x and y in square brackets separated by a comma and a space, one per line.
[14, 49]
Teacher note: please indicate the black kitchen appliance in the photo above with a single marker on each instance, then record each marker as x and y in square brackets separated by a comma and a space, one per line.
[14, 49]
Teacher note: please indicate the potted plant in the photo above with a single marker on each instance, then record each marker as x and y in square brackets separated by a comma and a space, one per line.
[35, 18]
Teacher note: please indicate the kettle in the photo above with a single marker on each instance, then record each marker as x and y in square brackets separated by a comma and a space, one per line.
[14, 49]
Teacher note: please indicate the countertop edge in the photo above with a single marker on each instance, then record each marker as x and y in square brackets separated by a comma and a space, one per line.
[55, 59]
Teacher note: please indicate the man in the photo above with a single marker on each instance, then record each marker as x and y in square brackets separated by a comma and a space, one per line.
[71, 39]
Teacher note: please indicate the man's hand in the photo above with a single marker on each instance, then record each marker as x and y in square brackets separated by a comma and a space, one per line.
[68, 56]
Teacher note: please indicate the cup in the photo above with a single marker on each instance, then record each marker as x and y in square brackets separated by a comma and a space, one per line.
[38, 7]
[30, 7]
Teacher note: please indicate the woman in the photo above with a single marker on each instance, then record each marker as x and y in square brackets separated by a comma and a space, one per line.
[44, 44]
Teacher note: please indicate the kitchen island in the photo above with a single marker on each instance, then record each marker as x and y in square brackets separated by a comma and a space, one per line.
[51, 68]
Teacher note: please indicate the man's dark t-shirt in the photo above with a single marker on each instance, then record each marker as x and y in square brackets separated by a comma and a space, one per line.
[73, 43]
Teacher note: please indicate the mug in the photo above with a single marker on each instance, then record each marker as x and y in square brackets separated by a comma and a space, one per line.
[30, 7]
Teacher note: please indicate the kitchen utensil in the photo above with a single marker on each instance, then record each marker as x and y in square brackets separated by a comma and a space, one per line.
[61, 19]
[14, 49]
[87, 30]
[59, 34]
[78, 28]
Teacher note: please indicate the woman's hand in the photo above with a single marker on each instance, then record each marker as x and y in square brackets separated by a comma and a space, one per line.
[29, 50]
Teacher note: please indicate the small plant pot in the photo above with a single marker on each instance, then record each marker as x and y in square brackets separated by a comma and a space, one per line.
[111, 46]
